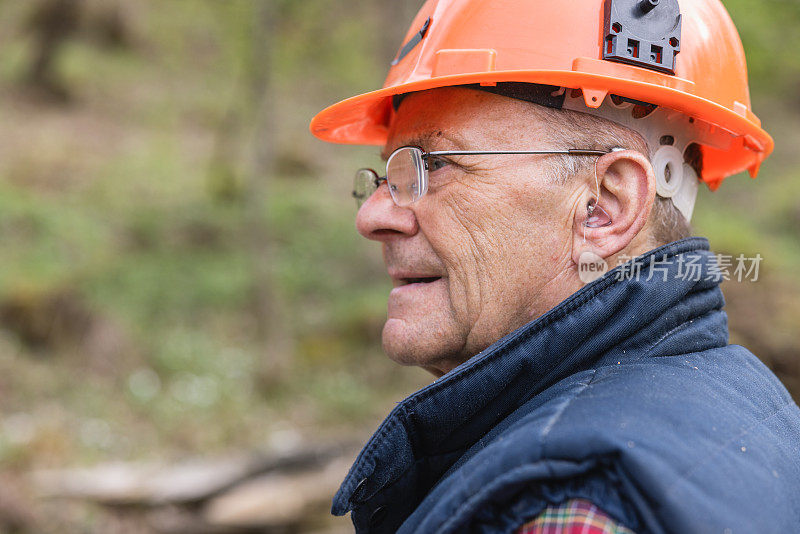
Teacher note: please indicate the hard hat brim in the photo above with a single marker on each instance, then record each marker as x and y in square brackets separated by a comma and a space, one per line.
[364, 119]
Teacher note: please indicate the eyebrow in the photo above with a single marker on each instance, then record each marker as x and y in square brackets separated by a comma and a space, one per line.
[425, 140]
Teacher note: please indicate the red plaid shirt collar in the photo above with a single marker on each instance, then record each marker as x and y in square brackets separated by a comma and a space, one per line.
[575, 516]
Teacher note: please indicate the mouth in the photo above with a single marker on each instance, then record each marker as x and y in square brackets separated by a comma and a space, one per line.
[409, 278]
[419, 280]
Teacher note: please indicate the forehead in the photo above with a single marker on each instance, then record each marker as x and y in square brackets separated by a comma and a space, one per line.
[466, 118]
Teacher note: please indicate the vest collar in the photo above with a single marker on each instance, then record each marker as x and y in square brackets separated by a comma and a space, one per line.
[624, 314]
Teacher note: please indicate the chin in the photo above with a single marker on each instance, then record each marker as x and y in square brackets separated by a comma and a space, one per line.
[432, 349]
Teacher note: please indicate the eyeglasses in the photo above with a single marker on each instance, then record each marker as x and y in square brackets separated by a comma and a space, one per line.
[407, 171]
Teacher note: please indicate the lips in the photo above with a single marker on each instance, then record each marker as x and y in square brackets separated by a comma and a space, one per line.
[414, 292]
[419, 280]
[408, 277]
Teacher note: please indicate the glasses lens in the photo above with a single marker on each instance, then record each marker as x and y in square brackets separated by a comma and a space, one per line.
[404, 174]
[364, 184]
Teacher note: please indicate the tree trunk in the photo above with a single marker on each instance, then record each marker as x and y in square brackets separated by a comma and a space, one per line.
[271, 330]
[51, 24]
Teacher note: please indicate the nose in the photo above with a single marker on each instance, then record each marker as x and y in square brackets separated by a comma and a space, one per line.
[380, 219]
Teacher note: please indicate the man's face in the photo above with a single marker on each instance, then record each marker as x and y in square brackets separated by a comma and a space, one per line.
[488, 248]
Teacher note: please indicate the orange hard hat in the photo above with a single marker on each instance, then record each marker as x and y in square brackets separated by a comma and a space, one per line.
[696, 66]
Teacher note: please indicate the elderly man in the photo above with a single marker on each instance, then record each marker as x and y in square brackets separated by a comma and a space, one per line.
[531, 146]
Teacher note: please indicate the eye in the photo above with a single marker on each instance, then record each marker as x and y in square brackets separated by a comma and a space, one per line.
[436, 163]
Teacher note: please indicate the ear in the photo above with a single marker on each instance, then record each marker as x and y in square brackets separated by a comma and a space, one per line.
[627, 186]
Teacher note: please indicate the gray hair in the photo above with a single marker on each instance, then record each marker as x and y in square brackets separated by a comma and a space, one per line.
[573, 128]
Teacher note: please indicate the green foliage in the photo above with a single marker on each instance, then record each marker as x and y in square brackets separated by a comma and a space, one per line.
[768, 32]
[135, 201]
[132, 201]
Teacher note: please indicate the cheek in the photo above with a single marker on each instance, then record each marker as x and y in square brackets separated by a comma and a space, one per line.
[542, 216]
[473, 240]
[496, 232]
[507, 238]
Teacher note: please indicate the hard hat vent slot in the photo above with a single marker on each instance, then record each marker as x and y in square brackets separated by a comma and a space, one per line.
[412, 43]
[656, 54]
[633, 48]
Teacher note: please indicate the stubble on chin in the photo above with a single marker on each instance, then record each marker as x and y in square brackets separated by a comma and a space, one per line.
[429, 346]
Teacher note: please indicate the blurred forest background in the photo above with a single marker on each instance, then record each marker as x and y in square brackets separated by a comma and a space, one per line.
[180, 277]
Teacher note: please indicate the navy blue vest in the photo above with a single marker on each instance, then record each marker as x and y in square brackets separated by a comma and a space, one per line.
[626, 394]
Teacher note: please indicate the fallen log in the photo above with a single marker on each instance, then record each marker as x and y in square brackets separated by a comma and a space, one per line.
[277, 499]
[187, 482]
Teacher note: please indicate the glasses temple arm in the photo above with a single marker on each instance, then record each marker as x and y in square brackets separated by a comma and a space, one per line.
[570, 152]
